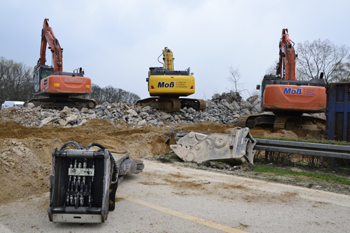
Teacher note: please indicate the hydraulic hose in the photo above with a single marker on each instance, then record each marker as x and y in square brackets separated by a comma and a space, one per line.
[70, 143]
[114, 162]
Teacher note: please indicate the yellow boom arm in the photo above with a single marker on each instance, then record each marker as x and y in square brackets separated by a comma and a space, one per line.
[168, 59]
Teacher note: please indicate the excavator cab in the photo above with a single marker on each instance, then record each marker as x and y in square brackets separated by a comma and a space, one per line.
[40, 73]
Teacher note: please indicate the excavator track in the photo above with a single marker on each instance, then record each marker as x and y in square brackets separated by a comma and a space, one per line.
[61, 102]
[251, 121]
[172, 104]
[197, 104]
[162, 104]
[298, 122]
[277, 122]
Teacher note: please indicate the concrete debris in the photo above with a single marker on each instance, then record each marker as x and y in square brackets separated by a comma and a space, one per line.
[225, 108]
[252, 99]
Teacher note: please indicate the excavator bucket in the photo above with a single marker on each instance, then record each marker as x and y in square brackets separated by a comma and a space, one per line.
[236, 148]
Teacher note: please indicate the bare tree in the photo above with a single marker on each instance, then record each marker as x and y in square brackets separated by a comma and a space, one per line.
[319, 56]
[235, 76]
[96, 93]
[15, 81]
[272, 70]
[342, 73]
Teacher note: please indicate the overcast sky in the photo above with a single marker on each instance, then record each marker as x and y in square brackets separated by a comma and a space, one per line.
[117, 41]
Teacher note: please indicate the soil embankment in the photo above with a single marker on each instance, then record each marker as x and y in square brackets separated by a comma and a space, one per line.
[25, 152]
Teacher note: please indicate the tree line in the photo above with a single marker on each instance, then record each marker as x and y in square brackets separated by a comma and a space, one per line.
[320, 56]
[16, 81]
[313, 58]
[16, 84]
[112, 95]
[324, 57]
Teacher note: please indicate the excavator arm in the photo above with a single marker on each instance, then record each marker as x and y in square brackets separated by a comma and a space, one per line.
[286, 64]
[168, 59]
[48, 37]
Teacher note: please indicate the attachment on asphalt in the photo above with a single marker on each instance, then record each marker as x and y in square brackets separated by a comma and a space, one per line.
[236, 148]
[84, 182]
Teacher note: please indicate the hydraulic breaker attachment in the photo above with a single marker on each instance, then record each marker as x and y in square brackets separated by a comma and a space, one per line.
[84, 182]
[236, 148]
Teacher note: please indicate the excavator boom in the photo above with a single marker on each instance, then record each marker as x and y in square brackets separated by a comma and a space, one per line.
[286, 64]
[48, 37]
[168, 59]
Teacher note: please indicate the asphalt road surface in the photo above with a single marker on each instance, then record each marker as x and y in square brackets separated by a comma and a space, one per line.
[167, 198]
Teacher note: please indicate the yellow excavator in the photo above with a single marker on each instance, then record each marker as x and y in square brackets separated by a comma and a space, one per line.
[166, 85]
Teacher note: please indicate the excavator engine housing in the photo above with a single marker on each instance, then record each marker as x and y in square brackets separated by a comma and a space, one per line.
[163, 82]
[46, 82]
[293, 95]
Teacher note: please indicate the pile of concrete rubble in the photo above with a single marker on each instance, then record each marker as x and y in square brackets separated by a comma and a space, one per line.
[221, 108]
[225, 108]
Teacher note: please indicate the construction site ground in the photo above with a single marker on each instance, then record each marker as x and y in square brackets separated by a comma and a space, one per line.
[165, 197]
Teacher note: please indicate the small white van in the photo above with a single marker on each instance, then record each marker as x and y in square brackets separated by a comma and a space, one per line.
[9, 104]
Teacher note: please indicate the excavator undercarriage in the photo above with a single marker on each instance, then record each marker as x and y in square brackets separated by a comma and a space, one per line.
[60, 101]
[282, 121]
[172, 104]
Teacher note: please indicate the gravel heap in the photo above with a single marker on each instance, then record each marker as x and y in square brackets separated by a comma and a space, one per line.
[225, 108]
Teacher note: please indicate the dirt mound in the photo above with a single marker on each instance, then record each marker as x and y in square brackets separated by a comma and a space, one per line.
[25, 152]
[206, 127]
[25, 166]
[120, 137]
[281, 134]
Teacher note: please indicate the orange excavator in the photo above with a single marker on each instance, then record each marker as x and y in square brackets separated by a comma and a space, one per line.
[286, 97]
[54, 88]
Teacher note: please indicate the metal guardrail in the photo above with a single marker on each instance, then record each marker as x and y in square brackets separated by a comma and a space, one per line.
[304, 148]
[301, 148]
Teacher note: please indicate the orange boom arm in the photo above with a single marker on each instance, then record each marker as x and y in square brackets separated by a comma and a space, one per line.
[48, 37]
